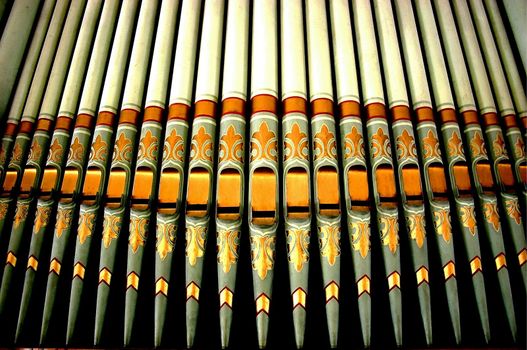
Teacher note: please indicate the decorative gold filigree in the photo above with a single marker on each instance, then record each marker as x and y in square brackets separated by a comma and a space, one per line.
[3, 155]
[99, 150]
[513, 210]
[20, 214]
[138, 231]
[148, 147]
[325, 144]
[296, 144]
[123, 149]
[298, 247]
[76, 151]
[195, 245]
[55, 152]
[354, 144]
[416, 226]
[228, 241]
[406, 145]
[166, 239]
[519, 148]
[86, 222]
[477, 145]
[390, 232]
[431, 146]
[111, 228]
[360, 237]
[380, 144]
[64, 217]
[174, 147]
[329, 240]
[3, 210]
[35, 151]
[455, 145]
[16, 157]
[264, 144]
[469, 219]
[499, 146]
[41, 218]
[201, 148]
[231, 146]
[262, 254]
[490, 211]
[443, 225]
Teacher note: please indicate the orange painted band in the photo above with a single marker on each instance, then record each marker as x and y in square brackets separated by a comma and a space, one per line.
[10, 129]
[349, 109]
[321, 106]
[470, 117]
[295, 105]
[424, 114]
[44, 125]
[233, 105]
[400, 113]
[84, 121]
[524, 122]
[375, 110]
[490, 119]
[105, 118]
[205, 108]
[129, 116]
[263, 103]
[64, 123]
[178, 111]
[447, 115]
[510, 121]
[153, 114]
[26, 127]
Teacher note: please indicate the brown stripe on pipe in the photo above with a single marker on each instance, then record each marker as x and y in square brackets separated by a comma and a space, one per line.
[44, 125]
[400, 113]
[64, 123]
[490, 119]
[204, 108]
[233, 105]
[153, 114]
[447, 115]
[129, 116]
[84, 120]
[105, 118]
[26, 127]
[321, 106]
[178, 111]
[424, 114]
[470, 117]
[10, 129]
[295, 105]
[263, 103]
[523, 120]
[375, 110]
[349, 109]
[510, 121]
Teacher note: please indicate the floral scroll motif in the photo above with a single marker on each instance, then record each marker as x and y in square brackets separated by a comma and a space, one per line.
[99, 150]
[499, 146]
[20, 214]
[35, 151]
[360, 237]
[443, 225]
[469, 219]
[490, 211]
[513, 210]
[138, 231]
[166, 239]
[390, 232]
[380, 144]
[298, 247]
[174, 147]
[262, 254]
[329, 240]
[42, 217]
[231, 146]
[64, 217]
[201, 148]
[296, 143]
[86, 222]
[76, 151]
[111, 227]
[228, 242]
[195, 248]
[519, 148]
[431, 146]
[264, 144]
[354, 144]
[55, 152]
[477, 145]
[148, 147]
[455, 146]
[416, 226]
[123, 149]
[3, 210]
[406, 145]
[325, 144]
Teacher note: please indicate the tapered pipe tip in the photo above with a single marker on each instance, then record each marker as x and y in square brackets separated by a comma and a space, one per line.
[100, 311]
[262, 329]
[365, 318]
[423, 291]
[481, 302]
[192, 320]
[397, 319]
[225, 325]
[129, 314]
[299, 322]
[332, 315]
[6, 287]
[160, 316]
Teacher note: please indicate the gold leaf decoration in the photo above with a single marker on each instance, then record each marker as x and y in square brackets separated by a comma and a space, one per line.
[63, 221]
[491, 215]
[298, 247]
[76, 151]
[262, 254]
[513, 210]
[166, 239]
[195, 245]
[381, 144]
[360, 236]
[455, 145]
[390, 232]
[138, 231]
[174, 147]
[123, 149]
[354, 144]
[431, 146]
[20, 214]
[469, 219]
[499, 146]
[477, 145]
[228, 241]
[3, 210]
[55, 152]
[231, 146]
[325, 144]
[35, 151]
[99, 150]
[148, 147]
[16, 157]
[201, 148]
[264, 144]
[41, 218]
[416, 226]
[519, 148]
[329, 240]
[296, 143]
[406, 145]
[443, 225]
[110, 230]
[86, 222]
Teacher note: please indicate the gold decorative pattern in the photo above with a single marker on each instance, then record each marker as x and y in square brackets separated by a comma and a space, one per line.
[32, 263]
[513, 210]
[500, 261]
[422, 275]
[325, 144]
[41, 218]
[16, 157]
[360, 237]
[363, 286]
[231, 146]
[519, 148]
[475, 265]
[162, 286]
[20, 214]
[394, 280]
[477, 145]
[174, 148]
[138, 232]
[3, 155]
[110, 229]
[522, 257]
[263, 304]
[262, 254]
[443, 225]
[416, 226]
[468, 218]
[3, 209]
[406, 145]
[99, 150]
[329, 240]
[332, 291]
[499, 146]
[55, 152]
[148, 147]
[76, 151]
[86, 222]
[201, 148]
[298, 248]
[455, 145]
[132, 280]
[166, 239]
[228, 241]
[449, 270]
[431, 146]
[35, 151]
[64, 217]
[193, 291]
[490, 211]
[122, 151]
[296, 144]
[105, 276]
[354, 144]
[299, 297]
[226, 297]
[264, 144]
[390, 232]
[55, 266]
[11, 259]
[195, 245]
[79, 270]
[380, 144]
